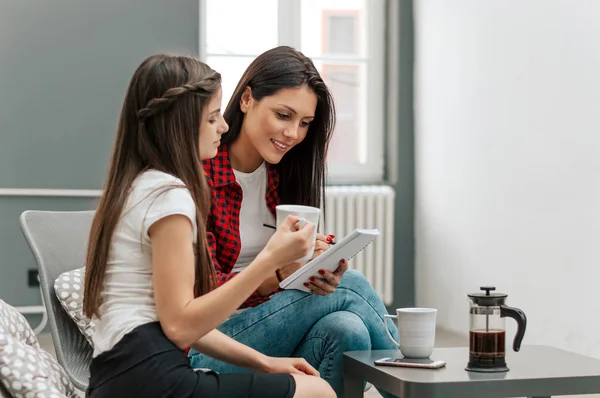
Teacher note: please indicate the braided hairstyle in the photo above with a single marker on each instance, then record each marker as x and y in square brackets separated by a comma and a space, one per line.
[159, 128]
[302, 170]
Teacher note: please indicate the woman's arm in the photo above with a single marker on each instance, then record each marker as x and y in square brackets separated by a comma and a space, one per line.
[222, 347]
[223, 277]
[272, 283]
[218, 345]
[185, 319]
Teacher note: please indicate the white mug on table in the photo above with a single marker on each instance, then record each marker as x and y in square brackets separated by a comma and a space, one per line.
[416, 331]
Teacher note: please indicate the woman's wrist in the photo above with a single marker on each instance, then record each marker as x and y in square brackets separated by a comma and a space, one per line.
[289, 269]
[261, 363]
[263, 262]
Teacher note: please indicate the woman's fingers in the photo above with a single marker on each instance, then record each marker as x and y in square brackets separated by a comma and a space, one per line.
[343, 267]
[321, 246]
[319, 286]
[330, 278]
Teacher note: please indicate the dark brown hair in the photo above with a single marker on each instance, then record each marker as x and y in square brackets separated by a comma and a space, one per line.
[302, 170]
[158, 129]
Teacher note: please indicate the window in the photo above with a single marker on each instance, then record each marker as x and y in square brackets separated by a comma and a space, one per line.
[344, 38]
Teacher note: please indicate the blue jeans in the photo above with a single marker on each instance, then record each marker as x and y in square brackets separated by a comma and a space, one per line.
[317, 328]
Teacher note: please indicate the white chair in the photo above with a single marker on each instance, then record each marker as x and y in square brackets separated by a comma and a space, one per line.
[58, 240]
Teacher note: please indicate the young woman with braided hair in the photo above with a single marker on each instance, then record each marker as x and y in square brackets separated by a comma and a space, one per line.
[149, 283]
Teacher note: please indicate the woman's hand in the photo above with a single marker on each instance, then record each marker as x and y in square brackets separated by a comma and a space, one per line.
[328, 281]
[289, 243]
[289, 365]
[322, 244]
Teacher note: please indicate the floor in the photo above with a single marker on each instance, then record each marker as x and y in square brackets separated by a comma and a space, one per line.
[443, 339]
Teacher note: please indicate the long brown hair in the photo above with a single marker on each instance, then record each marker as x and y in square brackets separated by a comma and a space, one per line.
[159, 129]
[302, 170]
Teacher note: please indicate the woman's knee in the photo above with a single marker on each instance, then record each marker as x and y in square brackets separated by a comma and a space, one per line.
[347, 330]
[312, 387]
[353, 277]
[355, 281]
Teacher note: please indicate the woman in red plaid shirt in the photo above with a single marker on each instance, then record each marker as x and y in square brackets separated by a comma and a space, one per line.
[281, 118]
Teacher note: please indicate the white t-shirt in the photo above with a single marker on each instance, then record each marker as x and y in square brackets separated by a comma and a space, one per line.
[253, 214]
[128, 294]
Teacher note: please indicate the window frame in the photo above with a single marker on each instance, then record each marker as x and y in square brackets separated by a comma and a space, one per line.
[373, 125]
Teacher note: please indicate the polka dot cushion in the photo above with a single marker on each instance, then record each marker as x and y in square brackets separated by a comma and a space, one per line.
[13, 323]
[31, 372]
[69, 291]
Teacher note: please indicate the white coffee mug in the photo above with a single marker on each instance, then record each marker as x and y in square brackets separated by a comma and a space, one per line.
[304, 213]
[416, 330]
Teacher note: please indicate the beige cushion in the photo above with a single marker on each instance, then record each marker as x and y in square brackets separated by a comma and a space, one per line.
[68, 288]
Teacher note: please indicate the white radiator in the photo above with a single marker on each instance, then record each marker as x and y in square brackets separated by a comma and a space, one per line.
[365, 206]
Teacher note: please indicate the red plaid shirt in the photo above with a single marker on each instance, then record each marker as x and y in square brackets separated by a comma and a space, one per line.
[223, 227]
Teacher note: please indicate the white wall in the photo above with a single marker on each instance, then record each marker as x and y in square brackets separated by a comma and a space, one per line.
[508, 162]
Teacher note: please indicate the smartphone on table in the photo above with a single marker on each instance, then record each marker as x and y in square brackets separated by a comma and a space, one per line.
[425, 363]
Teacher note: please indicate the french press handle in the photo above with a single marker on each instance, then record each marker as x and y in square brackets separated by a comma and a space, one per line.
[519, 316]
